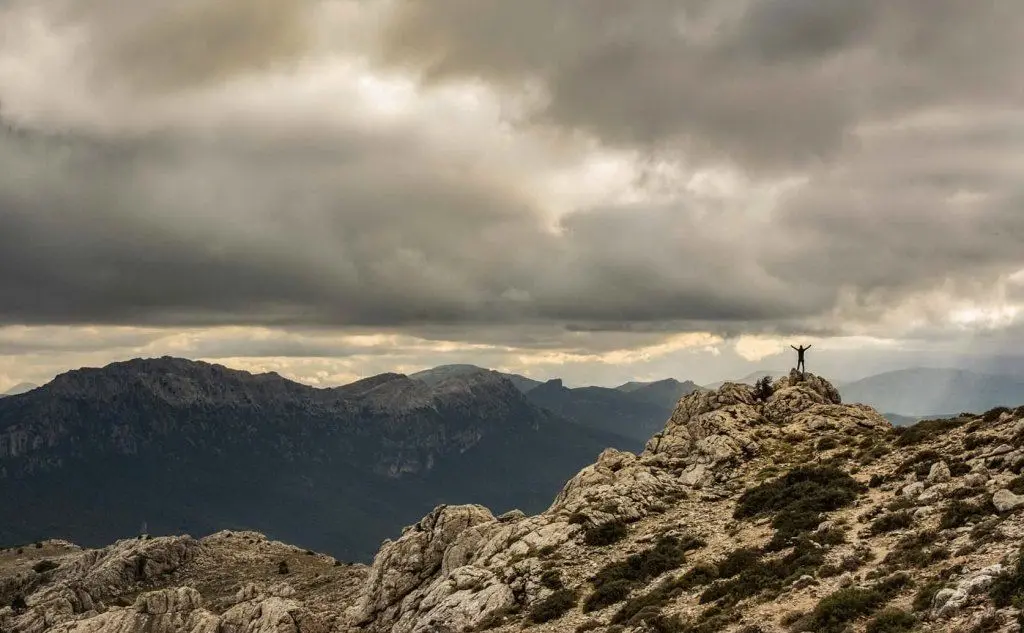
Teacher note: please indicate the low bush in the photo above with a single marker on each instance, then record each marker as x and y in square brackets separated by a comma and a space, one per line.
[44, 566]
[797, 500]
[960, 513]
[993, 415]
[1008, 589]
[605, 533]
[924, 596]
[615, 581]
[876, 481]
[1016, 486]
[892, 621]
[827, 444]
[836, 611]
[763, 389]
[742, 576]
[553, 607]
[973, 441]
[915, 551]
[926, 430]
[552, 579]
[607, 594]
[891, 522]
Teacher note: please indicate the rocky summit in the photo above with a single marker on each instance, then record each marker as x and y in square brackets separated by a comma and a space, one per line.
[756, 509]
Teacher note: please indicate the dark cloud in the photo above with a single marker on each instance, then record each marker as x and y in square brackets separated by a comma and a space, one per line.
[769, 84]
[898, 123]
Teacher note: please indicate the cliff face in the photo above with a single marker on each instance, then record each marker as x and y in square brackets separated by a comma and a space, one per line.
[792, 512]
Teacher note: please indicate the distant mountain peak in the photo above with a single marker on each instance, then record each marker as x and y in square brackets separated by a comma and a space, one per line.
[19, 389]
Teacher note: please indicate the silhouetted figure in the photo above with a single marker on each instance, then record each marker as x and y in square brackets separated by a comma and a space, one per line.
[800, 366]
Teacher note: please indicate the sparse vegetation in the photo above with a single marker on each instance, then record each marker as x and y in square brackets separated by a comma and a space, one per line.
[616, 580]
[827, 443]
[18, 604]
[1008, 589]
[282, 568]
[553, 607]
[876, 481]
[926, 430]
[746, 573]
[763, 389]
[975, 440]
[891, 522]
[44, 566]
[837, 610]
[891, 621]
[607, 594]
[552, 579]
[925, 595]
[798, 499]
[605, 533]
[960, 513]
[993, 415]
[915, 551]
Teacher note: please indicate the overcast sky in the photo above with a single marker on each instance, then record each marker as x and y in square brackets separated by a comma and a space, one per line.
[594, 189]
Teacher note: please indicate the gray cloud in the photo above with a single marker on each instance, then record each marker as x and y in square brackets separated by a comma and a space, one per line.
[212, 212]
[770, 84]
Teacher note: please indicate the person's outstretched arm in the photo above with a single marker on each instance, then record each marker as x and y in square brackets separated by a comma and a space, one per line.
[808, 347]
[794, 347]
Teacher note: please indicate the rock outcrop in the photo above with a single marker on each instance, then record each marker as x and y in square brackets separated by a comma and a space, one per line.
[750, 512]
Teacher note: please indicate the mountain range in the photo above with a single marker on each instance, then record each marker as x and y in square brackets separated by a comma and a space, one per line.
[198, 447]
[19, 389]
[931, 392]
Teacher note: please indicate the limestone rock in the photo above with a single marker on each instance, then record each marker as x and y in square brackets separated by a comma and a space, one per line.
[1006, 501]
[939, 473]
[406, 564]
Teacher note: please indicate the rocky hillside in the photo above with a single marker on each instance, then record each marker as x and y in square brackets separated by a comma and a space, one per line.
[198, 448]
[748, 513]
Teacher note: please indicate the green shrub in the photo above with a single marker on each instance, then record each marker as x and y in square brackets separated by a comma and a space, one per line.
[926, 430]
[553, 607]
[972, 442]
[18, 604]
[44, 566]
[915, 550]
[892, 621]
[804, 488]
[744, 576]
[959, 513]
[605, 533]
[797, 499]
[698, 576]
[763, 389]
[1008, 589]
[925, 595]
[607, 594]
[891, 522]
[876, 481]
[835, 611]
[1016, 486]
[615, 581]
[827, 443]
[993, 415]
[552, 579]
[919, 464]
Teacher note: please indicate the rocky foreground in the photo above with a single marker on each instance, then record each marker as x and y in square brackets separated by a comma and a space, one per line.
[752, 512]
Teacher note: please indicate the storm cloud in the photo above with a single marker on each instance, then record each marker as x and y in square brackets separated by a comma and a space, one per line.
[541, 175]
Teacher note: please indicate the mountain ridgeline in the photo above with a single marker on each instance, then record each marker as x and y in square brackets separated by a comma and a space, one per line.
[173, 446]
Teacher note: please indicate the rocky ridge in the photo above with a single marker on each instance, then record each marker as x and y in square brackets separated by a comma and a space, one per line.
[751, 512]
